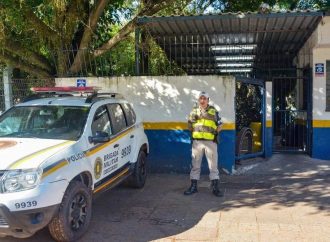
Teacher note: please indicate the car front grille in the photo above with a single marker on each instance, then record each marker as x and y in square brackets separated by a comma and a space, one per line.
[3, 221]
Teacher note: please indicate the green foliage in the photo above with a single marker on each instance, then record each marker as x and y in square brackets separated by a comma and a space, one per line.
[159, 64]
[119, 61]
[60, 24]
[248, 105]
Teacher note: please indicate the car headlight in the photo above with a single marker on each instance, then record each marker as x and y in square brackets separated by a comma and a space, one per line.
[20, 180]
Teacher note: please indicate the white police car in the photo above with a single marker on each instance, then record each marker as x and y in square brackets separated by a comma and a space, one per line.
[57, 151]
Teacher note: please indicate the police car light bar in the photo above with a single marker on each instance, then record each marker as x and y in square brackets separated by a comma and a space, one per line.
[64, 89]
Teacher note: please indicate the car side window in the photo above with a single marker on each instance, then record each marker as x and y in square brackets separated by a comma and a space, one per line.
[117, 118]
[129, 113]
[101, 121]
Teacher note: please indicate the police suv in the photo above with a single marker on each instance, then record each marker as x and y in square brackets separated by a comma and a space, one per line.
[57, 151]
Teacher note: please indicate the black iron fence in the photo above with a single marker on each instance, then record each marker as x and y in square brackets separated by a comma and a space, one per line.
[177, 55]
[21, 88]
[123, 60]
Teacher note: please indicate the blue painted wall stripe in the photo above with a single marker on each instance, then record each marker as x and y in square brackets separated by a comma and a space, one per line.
[321, 145]
[268, 142]
[170, 151]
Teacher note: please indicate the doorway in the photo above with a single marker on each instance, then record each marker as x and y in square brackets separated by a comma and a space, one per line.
[250, 118]
[291, 114]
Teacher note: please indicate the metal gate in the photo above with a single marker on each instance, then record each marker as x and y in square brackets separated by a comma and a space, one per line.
[250, 117]
[291, 115]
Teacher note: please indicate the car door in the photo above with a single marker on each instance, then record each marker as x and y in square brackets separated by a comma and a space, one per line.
[104, 156]
[121, 133]
[130, 121]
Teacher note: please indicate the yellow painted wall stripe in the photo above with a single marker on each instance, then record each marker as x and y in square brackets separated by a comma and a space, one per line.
[229, 126]
[55, 168]
[269, 123]
[40, 152]
[321, 123]
[111, 181]
[178, 126]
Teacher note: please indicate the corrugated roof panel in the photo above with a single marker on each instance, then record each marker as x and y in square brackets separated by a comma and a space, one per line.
[273, 34]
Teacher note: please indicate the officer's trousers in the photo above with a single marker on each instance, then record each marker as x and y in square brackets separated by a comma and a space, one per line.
[210, 149]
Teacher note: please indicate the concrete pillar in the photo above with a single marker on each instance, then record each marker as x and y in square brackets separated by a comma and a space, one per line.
[7, 87]
[269, 118]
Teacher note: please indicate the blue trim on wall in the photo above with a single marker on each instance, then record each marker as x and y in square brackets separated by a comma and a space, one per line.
[321, 146]
[226, 149]
[268, 142]
[170, 151]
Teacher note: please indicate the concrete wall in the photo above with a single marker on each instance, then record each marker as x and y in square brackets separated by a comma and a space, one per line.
[164, 104]
[317, 50]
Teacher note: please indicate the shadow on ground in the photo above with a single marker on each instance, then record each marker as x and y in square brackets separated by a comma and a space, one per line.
[294, 188]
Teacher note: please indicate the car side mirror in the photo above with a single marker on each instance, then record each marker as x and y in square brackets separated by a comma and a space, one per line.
[100, 137]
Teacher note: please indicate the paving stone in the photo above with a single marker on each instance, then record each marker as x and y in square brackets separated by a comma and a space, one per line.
[269, 227]
[238, 237]
[248, 227]
[198, 233]
[290, 227]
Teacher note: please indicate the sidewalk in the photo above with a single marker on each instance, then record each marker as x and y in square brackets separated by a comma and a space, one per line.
[284, 199]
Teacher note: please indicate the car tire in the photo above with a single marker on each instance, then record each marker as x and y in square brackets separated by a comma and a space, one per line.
[74, 215]
[139, 176]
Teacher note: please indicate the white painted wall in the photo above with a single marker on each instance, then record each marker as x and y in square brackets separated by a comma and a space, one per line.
[167, 98]
[7, 86]
[317, 50]
[321, 53]
[305, 54]
[269, 103]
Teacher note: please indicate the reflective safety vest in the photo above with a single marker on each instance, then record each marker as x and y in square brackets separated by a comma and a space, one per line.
[204, 124]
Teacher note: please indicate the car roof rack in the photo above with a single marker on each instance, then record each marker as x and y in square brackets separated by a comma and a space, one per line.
[103, 95]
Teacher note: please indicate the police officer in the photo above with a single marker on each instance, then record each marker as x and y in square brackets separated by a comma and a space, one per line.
[205, 124]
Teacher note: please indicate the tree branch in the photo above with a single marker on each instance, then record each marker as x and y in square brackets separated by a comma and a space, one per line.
[17, 63]
[150, 9]
[31, 56]
[88, 33]
[42, 28]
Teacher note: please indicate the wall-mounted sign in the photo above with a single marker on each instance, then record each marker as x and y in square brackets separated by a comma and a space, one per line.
[81, 82]
[319, 69]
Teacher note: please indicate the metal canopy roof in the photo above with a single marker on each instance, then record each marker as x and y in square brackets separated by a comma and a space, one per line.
[232, 42]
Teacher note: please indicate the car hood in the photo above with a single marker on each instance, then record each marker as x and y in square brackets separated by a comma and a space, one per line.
[21, 153]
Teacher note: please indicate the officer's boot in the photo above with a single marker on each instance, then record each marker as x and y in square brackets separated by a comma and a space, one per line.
[215, 188]
[192, 189]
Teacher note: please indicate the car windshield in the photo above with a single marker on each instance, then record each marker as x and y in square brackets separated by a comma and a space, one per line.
[44, 122]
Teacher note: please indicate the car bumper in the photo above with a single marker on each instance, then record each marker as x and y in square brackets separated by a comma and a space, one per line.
[24, 224]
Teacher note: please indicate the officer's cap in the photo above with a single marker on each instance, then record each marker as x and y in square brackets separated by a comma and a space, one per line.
[203, 94]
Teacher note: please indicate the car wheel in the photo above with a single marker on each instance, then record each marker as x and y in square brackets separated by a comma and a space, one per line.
[139, 175]
[74, 214]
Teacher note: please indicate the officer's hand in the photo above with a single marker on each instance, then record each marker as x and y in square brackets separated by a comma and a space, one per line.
[219, 128]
